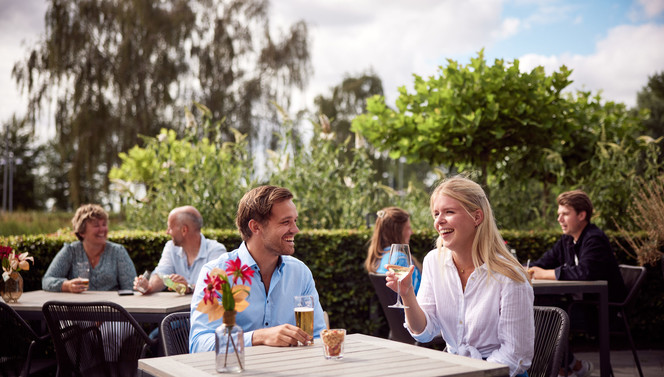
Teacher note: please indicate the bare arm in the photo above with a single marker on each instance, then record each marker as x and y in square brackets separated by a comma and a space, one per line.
[415, 317]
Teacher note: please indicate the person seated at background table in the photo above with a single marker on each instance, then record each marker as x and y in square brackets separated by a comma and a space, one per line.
[583, 252]
[266, 218]
[473, 292]
[110, 266]
[392, 226]
[184, 255]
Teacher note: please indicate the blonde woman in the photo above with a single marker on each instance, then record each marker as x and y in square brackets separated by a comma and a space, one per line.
[473, 292]
[392, 226]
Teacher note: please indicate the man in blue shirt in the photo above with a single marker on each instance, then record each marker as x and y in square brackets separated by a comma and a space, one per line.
[266, 219]
[183, 256]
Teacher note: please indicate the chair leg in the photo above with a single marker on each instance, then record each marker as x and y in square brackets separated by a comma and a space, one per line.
[631, 342]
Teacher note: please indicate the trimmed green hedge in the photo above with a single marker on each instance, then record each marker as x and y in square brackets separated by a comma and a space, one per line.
[336, 259]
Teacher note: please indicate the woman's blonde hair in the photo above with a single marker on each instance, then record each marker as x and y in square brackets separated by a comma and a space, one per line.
[488, 244]
[85, 213]
[388, 229]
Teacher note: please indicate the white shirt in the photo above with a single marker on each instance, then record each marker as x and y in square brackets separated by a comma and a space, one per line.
[174, 260]
[492, 319]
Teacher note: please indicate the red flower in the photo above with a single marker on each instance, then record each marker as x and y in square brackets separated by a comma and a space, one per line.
[213, 285]
[235, 269]
[218, 286]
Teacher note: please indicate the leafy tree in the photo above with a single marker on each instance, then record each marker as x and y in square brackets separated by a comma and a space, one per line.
[117, 69]
[651, 97]
[346, 101]
[470, 117]
[528, 141]
[18, 151]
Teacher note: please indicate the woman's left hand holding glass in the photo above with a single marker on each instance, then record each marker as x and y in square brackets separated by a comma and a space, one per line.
[406, 284]
[76, 285]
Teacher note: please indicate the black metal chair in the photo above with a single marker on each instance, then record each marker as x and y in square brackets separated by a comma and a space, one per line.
[95, 338]
[551, 332]
[22, 351]
[175, 333]
[395, 317]
[633, 276]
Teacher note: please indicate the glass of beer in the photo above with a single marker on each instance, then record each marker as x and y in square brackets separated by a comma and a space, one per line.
[304, 314]
[83, 272]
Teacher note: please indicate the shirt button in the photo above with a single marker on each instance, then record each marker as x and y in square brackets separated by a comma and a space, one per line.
[461, 322]
[265, 323]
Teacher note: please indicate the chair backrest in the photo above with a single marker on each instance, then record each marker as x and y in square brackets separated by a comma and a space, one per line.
[95, 338]
[633, 276]
[395, 317]
[175, 333]
[551, 331]
[18, 344]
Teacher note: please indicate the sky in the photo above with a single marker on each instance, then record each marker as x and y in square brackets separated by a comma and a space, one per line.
[612, 46]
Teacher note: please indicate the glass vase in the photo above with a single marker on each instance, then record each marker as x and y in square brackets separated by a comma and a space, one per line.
[229, 345]
[12, 288]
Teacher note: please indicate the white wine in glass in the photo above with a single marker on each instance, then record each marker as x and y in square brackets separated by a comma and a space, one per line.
[399, 262]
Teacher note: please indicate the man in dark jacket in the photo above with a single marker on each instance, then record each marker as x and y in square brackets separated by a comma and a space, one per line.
[582, 253]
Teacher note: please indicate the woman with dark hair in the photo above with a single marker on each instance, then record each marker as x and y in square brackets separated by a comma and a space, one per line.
[392, 226]
[110, 267]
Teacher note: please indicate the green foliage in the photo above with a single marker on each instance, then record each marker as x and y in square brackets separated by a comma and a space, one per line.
[472, 116]
[207, 173]
[523, 139]
[335, 259]
[330, 191]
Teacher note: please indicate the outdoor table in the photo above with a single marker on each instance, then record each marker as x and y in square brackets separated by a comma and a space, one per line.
[599, 287]
[150, 308]
[364, 355]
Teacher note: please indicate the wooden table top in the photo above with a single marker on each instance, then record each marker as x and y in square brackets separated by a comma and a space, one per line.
[148, 308]
[562, 283]
[363, 356]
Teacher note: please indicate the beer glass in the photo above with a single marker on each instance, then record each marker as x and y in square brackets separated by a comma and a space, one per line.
[304, 314]
[83, 272]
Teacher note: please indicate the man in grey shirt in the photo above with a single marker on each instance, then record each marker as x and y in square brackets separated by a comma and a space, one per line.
[183, 256]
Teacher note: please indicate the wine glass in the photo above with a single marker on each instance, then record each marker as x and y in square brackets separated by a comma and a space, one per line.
[399, 262]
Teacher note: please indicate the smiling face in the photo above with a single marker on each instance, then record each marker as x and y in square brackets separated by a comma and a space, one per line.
[571, 222]
[277, 234]
[96, 231]
[455, 226]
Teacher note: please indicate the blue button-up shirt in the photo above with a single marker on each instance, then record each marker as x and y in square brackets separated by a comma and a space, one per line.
[174, 260]
[291, 278]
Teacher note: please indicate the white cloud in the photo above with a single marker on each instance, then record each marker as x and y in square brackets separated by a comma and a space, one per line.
[393, 37]
[619, 66]
[652, 8]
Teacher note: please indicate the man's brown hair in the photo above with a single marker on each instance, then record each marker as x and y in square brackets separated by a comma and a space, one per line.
[257, 205]
[578, 200]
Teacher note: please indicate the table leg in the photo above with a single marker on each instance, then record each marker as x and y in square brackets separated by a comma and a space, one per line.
[604, 337]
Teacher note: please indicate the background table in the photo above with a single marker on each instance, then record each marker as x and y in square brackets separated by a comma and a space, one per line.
[147, 309]
[599, 287]
[364, 356]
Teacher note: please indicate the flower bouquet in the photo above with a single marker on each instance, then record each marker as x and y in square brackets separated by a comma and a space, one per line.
[225, 299]
[11, 286]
